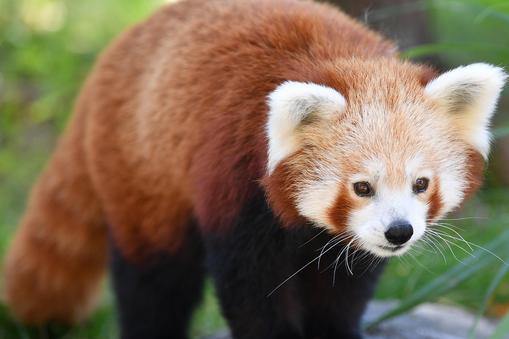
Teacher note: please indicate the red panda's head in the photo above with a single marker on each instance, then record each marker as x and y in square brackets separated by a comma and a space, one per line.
[382, 157]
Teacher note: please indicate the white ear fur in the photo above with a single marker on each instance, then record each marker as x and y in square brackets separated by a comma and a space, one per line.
[289, 104]
[470, 94]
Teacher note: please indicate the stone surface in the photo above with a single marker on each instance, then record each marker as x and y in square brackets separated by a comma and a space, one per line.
[428, 321]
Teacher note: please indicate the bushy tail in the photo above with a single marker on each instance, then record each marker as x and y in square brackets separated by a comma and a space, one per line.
[56, 261]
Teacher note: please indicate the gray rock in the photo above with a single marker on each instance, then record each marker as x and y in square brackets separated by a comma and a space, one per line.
[220, 335]
[428, 321]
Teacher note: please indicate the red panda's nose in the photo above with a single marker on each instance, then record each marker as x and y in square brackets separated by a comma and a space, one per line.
[399, 232]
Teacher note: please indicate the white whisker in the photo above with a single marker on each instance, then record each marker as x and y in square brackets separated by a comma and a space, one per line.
[455, 232]
[428, 235]
[299, 270]
[313, 238]
[449, 243]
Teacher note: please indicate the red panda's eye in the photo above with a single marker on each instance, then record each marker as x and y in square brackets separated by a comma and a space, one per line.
[363, 189]
[420, 185]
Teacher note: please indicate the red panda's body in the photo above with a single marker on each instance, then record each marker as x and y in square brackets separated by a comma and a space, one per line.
[168, 145]
[178, 123]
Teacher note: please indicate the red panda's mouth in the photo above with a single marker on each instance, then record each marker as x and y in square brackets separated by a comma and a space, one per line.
[391, 248]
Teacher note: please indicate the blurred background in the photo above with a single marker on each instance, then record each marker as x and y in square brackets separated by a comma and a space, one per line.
[48, 46]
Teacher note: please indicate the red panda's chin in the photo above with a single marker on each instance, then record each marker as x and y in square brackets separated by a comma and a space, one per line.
[387, 250]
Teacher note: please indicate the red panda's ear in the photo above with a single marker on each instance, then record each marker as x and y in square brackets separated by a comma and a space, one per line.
[469, 94]
[290, 104]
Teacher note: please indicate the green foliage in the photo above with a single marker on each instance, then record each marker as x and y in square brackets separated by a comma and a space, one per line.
[450, 279]
[502, 328]
[472, 30]
[48, 46]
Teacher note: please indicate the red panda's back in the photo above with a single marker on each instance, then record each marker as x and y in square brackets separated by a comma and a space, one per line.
[176, 106]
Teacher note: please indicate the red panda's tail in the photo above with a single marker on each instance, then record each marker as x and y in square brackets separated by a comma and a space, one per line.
[57, 258]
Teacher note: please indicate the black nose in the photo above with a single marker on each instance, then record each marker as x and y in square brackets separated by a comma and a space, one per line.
[399, 232]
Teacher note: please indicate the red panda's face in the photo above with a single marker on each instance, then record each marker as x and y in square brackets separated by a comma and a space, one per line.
[380, 167]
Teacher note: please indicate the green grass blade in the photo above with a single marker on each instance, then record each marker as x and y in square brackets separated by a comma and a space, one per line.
[448, 280]
[485, 10]
[501, 132]
[502, 328]
[444, 48]
[504, 268]
[10, 328]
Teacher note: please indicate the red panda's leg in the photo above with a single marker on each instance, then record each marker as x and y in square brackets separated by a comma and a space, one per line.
[157, 293]
[256, 255]
[247, 262]
[337, 295]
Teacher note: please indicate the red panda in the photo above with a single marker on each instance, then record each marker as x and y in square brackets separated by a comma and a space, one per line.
[234, 138]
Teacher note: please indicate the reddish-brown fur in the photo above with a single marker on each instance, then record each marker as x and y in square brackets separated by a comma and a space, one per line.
[170, 127]
[475, 171]
[435, 203]
[341, 209]
[279, 186]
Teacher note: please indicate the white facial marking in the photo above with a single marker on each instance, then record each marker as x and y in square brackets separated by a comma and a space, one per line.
[452, 179]
[413, 165]
[469, 94]
[315, 200]
[374, 170]
[370, 222]
[289, 105]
